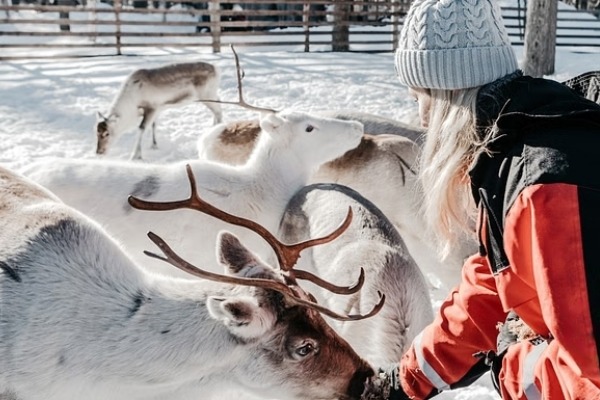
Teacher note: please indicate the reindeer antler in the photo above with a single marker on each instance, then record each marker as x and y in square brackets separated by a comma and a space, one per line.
[287, 255]
[241, 102]
[172, 258]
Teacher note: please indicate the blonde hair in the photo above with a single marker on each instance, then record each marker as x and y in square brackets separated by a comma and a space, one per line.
[451, 144]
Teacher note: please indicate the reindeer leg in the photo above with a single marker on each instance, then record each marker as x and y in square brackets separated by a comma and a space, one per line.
[149, 114]
[217, 112]
[154, 144]
[137, 149]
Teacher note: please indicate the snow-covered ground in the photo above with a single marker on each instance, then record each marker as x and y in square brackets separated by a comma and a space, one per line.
[48, 106]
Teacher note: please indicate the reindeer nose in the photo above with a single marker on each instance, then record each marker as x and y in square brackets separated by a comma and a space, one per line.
[357, 383]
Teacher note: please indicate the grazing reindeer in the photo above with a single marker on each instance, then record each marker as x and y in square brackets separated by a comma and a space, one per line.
[146, 92]
[370, 242]
[293, 146]
[381, 168]
[80, 320]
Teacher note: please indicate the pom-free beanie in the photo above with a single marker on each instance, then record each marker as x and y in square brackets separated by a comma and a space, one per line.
[453, 44]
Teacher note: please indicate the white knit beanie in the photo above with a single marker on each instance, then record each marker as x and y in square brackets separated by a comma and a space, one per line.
[453, 44]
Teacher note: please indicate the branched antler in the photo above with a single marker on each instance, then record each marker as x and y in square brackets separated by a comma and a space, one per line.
[241, 102]
[172, 258]
[287, 255]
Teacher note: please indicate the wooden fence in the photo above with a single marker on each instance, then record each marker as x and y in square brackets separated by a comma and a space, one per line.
[100, 27]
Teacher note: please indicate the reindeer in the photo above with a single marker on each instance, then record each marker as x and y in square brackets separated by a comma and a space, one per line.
[293, 145]
[233, 141]
[147, 92]
[382, 168]
[372, 242]
[80, 320]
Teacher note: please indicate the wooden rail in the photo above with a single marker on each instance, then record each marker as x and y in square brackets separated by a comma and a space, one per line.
[86, 26]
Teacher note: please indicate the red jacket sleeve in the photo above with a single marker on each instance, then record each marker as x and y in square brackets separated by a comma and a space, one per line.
[466, 324]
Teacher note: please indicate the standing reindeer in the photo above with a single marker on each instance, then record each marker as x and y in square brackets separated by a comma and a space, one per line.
[146, 92]
[80, 321]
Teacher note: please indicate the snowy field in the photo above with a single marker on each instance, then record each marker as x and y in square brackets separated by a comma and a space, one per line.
[48, 106]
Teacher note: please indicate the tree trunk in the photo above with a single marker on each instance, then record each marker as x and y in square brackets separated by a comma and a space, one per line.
[341, 26]
[540, 37]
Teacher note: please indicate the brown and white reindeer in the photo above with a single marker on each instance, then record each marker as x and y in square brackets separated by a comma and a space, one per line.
[80, 321]
[146, 92]
[293, 146]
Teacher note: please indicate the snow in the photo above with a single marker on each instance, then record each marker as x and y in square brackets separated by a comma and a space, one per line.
[48, 106]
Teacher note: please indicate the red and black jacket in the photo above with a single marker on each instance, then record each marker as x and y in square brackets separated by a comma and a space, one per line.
[538, 190]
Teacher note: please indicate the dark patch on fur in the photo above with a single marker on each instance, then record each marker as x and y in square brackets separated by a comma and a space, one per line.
[10, 272]
[178, 99]
[354, 158]
[144, 189]
[102, 127]
[62, 359]
[169, 74]
[240, 133]
[199, 80]
[165, 331]
[138, 301]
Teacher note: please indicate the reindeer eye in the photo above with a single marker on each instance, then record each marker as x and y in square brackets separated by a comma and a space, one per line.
[310, 128]
[305, 349]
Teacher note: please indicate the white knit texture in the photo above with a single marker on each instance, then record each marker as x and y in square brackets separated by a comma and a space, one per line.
[453, 44]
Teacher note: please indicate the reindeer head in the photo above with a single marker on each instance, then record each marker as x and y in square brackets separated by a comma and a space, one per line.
[295, 354]
[318, 139]
[105, 131]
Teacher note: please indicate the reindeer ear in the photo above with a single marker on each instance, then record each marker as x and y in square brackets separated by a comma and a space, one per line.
[232, 253]
[269, 122]
[241, 315]
[100, 117]
[237, 258]
[235, 309]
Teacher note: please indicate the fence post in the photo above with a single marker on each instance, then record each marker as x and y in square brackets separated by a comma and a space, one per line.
[540, 37]
[117, 5]
[341, 26]
[306, 24]
[64, 27]
[395, 24]
[214, 8]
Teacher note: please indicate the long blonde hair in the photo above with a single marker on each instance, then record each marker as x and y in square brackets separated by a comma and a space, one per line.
[451, 144]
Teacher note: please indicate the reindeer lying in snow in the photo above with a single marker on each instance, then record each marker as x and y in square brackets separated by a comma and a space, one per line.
[381, 168]
[370, 242]
[81, 321]
[147, 92]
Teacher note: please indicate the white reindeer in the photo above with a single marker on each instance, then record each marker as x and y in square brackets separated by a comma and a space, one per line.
[147, 92]
[382, 169]
[292, 147]
[80, 321]
[370, 242]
